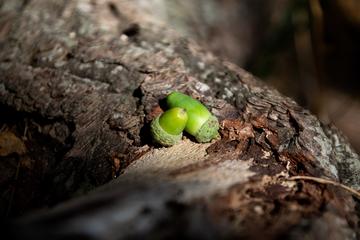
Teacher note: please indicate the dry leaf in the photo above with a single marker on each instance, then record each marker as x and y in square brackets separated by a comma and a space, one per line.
[9, 143]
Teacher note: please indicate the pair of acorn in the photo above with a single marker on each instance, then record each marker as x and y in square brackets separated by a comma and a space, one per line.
[184, 114]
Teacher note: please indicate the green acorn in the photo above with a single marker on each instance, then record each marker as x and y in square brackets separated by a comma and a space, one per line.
[167, 128]
[201, 123]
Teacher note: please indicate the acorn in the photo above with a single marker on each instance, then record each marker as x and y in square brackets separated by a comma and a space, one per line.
[201, 123]
[167, 128]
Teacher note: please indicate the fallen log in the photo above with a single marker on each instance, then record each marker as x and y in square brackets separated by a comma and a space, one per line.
[80, 82]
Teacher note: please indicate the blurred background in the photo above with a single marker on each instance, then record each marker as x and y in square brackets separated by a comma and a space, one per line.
[308, 49]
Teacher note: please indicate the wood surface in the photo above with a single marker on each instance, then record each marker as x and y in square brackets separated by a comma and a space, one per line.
[80, 82]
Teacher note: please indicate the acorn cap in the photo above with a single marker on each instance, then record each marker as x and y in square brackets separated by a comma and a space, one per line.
[160, 136]
[208, 130]
[168, 127]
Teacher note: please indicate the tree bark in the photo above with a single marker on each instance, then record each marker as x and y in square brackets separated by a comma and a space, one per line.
[79, 83]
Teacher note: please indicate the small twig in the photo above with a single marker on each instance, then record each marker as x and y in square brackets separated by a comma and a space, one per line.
[327, 181]
[25, 130]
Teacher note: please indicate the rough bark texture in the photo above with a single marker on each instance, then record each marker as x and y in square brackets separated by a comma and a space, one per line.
[79, 83]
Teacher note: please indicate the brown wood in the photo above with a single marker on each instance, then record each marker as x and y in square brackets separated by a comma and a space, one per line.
[79, 83]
